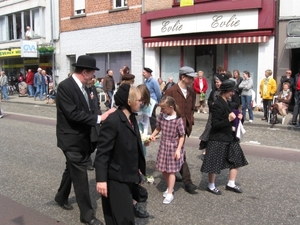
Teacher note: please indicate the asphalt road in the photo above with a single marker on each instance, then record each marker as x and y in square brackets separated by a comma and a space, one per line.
[32, 165]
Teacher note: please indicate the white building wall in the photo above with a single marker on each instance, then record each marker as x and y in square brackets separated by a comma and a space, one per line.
[265, 61]
[118, 38]
[289, 8]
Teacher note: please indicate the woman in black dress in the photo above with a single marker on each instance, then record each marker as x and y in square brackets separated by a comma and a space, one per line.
[223, 149]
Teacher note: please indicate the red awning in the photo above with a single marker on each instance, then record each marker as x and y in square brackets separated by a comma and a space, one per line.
[205, 41]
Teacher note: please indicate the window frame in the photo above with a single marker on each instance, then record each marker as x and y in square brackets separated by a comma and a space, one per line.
[79, 5]
[124, 4]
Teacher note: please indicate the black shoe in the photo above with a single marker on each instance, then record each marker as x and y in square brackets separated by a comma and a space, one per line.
[139, 212]
[292, 123]
[94, 221]
[215, 191]
[190, 188]
[235, 189]
[90, 168]
[65, 206]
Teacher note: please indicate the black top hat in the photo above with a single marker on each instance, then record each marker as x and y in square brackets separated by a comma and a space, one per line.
[86, 62]
[227, 85]
[148, 70]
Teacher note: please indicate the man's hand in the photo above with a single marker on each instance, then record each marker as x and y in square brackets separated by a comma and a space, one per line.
[101, 188]
[107, 113]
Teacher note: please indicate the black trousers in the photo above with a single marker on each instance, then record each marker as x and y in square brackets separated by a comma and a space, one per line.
[118, 206]
[153, 119]
[185, 172]
[76, 173]
[266, 104]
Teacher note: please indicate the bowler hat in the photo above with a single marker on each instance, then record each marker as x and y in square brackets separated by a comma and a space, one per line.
[86, 62]
[227, 85]
[148, 70]
[189, 71]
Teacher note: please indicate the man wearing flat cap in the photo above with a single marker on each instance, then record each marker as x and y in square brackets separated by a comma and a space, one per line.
[155, 93]
[185, 98]
[75, 119]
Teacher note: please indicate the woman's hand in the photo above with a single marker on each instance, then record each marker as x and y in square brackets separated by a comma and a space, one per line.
[177, 154]
[240, 116]
[231, 116]
[101, 188]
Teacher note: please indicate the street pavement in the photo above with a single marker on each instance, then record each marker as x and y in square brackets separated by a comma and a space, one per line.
[32, 165]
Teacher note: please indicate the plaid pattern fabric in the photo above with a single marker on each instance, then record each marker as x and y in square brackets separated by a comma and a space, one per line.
[171, 131]
[186, 105]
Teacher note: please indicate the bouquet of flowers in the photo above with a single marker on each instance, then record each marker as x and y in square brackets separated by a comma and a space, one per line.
[145, 138]
[202, 96]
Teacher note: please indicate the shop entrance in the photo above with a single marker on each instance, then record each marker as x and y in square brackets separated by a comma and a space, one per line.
[205, 61]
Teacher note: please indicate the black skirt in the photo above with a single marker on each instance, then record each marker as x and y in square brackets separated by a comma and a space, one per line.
[223, 155]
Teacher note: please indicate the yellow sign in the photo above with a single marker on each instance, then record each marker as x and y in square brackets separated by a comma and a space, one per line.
[186, 3]
[12, 66]
[13, 52]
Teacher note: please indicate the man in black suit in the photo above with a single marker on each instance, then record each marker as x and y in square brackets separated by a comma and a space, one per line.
[74, 122]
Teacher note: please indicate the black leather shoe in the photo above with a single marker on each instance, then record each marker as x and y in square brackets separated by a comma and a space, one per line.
[215, 191]
[65, 206]
[235, 189]
[139, 212]
[94, 221]
[90, 168]
[190, 188]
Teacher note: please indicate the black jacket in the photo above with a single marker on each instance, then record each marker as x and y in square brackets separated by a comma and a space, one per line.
[221, 128]
[119, 151]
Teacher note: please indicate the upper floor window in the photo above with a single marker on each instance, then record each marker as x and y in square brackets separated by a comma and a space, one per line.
[79, 7]
[26, 24]
[120, 3]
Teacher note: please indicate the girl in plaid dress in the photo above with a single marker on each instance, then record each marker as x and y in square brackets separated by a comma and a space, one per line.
[170, 153]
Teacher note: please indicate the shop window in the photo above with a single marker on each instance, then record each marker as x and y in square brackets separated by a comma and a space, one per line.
[79, 7]
[170, 63]
[120, 3]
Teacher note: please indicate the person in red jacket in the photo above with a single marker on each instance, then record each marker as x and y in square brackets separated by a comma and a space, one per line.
[29, 82]
[200, 88]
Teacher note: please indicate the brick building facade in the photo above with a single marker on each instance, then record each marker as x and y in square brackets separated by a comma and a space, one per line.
[109, 32]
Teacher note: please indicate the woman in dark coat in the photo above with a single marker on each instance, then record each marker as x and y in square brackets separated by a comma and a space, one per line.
[223, 150]
[120, 159]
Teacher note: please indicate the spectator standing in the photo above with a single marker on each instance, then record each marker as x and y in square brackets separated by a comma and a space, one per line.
[46, 84]
[39, 83]
[29, 82]
[185, 98]
[29, 33]
[0, 110]
[200, 88]
[267, 92]
[223, 149]
[155, 93]
[161, 83]
[109, 88]
[296, 98]
[170, 153]
[3, 84]
[73, 130]
[287, 78]
[120, 160]
[168, 85]
[246, 96]
[220, 69]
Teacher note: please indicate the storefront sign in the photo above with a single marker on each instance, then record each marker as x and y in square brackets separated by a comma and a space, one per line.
[292, 42]
[293, 28]
[9, 53]
[211, 22]
[186, 3]
[29, 49]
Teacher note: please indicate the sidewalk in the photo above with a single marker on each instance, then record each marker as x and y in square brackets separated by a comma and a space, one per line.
[198, 116]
